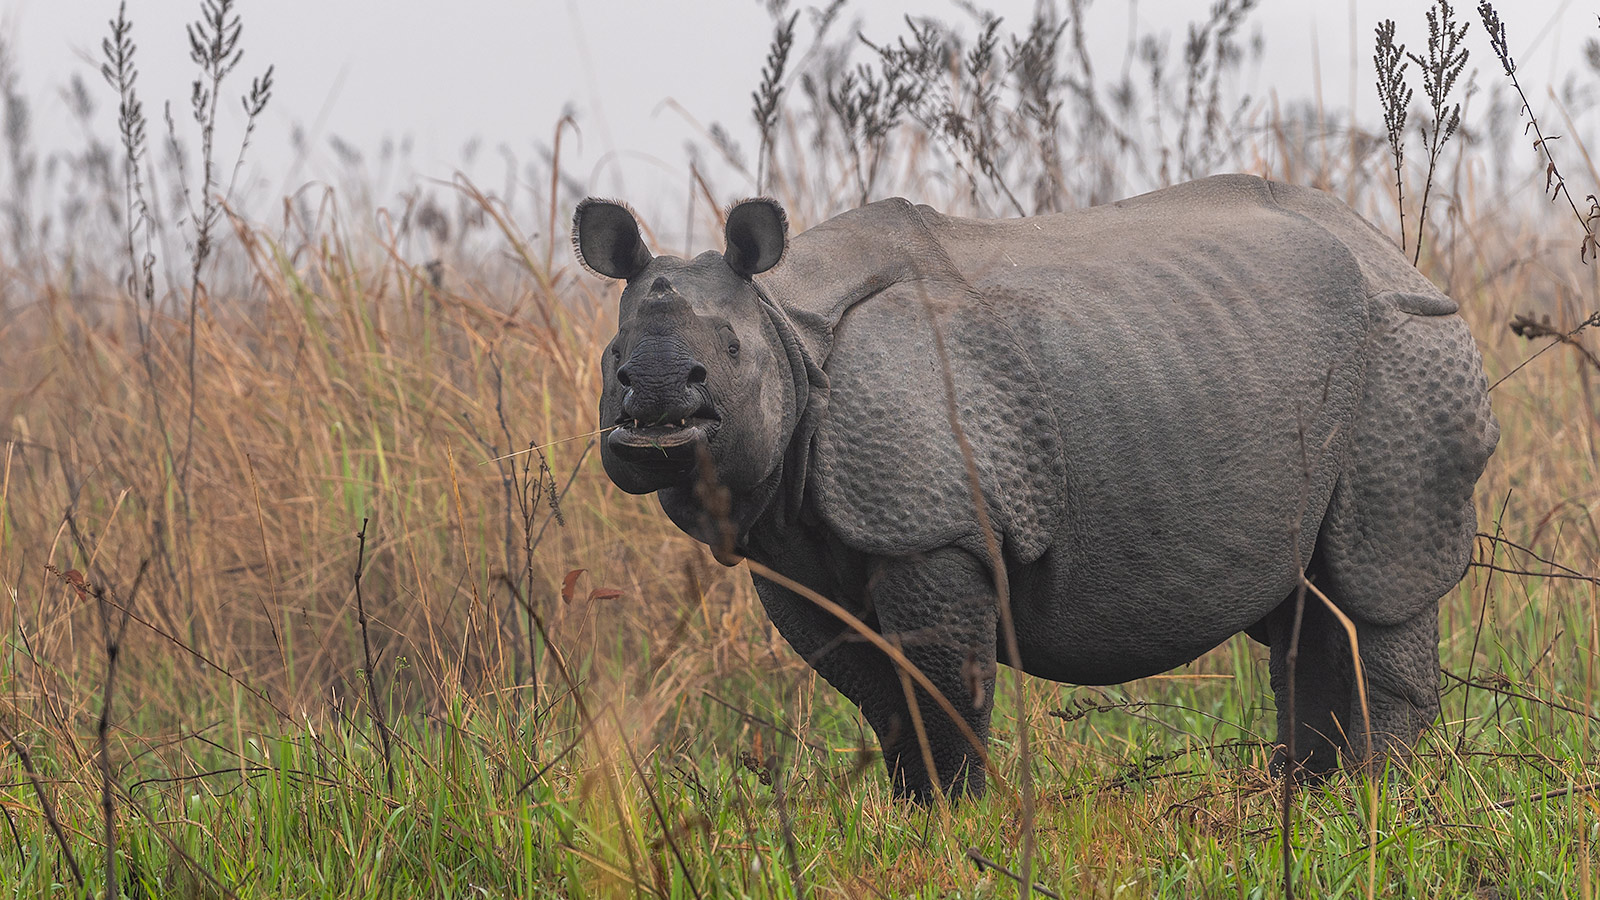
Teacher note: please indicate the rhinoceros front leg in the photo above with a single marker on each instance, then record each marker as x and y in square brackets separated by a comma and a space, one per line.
[938, 608]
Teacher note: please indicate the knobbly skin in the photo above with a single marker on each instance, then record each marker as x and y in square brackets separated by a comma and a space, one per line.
[1174, 404]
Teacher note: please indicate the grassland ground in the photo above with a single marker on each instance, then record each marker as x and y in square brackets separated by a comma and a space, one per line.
[609, 712]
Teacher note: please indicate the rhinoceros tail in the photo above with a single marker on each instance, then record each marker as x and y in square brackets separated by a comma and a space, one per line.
[1429, 304]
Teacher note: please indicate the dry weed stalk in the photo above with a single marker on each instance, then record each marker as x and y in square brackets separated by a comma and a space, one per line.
[769, 94]
[1389, 59]
[374, 701]
[214, 49]
[1554, 184]
[1440, 68]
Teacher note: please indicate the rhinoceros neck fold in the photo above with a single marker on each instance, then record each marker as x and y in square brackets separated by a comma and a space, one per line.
[723, 522]
[800, 346]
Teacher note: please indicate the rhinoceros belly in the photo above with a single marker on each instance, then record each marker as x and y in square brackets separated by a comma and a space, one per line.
[1202, 395]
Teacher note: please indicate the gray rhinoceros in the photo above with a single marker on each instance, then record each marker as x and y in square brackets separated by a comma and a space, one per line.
[1174, 404]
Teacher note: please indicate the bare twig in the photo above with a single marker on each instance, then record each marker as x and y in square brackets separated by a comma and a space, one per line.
[1483, 612]
[373, 701]
[1569, 571]
[111, 638]
[1532, 329]
[47, 808]
[1547, 795]
[113, 648]
[1501, 685]
[1554, 183]
[984, 862]
[1532, 574]
[1568, 337]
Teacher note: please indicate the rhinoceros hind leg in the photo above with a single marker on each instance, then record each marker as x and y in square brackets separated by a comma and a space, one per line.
[1400, 668]
[1323, 683]
[1401, 665]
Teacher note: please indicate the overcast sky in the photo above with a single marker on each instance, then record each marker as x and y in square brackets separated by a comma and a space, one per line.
[502, 71]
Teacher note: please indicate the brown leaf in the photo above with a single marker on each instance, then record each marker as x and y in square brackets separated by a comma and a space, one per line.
[78, 582]
[569, 584]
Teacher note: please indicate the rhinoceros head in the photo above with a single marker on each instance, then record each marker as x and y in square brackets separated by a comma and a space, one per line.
[695, 372]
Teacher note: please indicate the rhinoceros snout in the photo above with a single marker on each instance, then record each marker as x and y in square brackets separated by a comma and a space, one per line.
[665, 412]
[695, 375]
[690, 405]
[663, 437]
[661, 382]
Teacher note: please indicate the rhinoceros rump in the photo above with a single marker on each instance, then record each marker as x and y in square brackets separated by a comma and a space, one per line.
[1175, 404]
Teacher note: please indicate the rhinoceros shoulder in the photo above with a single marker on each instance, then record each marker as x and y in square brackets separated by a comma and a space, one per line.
[916, 364]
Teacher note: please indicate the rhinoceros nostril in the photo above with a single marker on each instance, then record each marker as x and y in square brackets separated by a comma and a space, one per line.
[625, 377]
[697, 374]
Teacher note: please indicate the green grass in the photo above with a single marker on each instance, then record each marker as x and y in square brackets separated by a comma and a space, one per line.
[1165, 800]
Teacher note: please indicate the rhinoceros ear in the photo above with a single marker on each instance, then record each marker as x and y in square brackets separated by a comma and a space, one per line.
[757, 234]
[606, 238]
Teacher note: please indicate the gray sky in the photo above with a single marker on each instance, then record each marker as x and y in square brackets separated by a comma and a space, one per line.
[503, 70]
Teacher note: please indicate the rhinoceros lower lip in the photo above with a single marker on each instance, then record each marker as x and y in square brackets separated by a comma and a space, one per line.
[667, 443]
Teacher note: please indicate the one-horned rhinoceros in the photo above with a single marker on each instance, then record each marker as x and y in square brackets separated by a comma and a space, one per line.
[1172, 406]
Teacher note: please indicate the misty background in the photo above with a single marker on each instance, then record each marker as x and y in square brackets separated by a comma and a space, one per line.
[390, 93]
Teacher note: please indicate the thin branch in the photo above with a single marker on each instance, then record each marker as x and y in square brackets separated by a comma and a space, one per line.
[984, 862]
[366, 649]
[45, 806]
[1553, 180]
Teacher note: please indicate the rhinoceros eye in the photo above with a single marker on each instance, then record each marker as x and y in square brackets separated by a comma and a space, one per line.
[731, 339]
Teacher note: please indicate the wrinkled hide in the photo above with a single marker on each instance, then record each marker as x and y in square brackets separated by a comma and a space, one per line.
[1171, 407]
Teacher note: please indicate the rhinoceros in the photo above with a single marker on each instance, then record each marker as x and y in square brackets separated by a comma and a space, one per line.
[1141, 423]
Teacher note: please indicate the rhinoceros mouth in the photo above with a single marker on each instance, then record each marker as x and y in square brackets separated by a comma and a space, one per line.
[670, 444]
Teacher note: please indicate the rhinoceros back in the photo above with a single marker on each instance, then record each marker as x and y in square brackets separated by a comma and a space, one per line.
[1206, 348]
[1214, 375]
